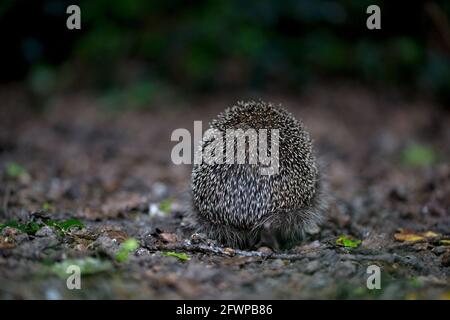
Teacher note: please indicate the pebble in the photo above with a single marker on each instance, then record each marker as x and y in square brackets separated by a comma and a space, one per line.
[265, 250]
[14, 234]
[439, 250]
[345, 269]
[45, 231]
[278, 263]
[168, 237]
[312, 267]
[445, 262]
[160, 190]
[142, 252]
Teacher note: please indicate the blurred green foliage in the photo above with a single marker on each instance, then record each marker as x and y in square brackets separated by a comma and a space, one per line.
[419, 155]
[126, 249]
[180, 255]
[215, 44]
[15, 170]
[87, 265]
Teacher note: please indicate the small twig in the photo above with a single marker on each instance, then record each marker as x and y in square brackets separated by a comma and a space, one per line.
[367, 255]
[211, 249]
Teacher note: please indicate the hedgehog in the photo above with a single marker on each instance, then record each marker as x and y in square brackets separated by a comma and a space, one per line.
[236, 205]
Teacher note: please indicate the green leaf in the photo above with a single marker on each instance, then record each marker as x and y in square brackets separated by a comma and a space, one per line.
[64, 225]
[165, 205]
[419, 155]
[126, 248]
[32, 227]
[15, 170]
[348, 242]
[29, 228]
[88, 266]
[46, 206]
[181, 256]
[130, 244]
[416, 282]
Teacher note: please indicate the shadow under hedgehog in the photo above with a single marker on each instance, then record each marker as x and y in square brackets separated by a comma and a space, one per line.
[238, 206]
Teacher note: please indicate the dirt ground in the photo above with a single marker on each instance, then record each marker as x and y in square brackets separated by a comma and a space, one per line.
[111, 175]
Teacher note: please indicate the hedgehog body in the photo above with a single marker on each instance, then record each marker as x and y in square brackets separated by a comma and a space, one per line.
[240, 207]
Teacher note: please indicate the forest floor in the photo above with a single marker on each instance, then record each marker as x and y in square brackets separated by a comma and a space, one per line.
[82, 185]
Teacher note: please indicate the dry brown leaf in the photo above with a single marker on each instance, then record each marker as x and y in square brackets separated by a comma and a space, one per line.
[6, 243]
[406, 236]
[168, 237]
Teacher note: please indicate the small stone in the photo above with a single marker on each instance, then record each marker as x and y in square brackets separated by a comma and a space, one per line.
[155, 211]
[106, 245]
[439, 250]
[265, 250]
[198, 238]
[10, 232]
[159, 190]
[45, 231]
[420, 246]
[445, 260]
[312, 230]
[278, 263]
[229, 251]
[142, 252]
[14, 234]
[81, 247]
[168, 237]
[345, 269]
[312, 267]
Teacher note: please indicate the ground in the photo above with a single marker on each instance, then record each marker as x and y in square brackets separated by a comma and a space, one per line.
[78, 181]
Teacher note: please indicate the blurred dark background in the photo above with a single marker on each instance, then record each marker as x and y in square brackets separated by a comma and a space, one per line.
[135, 50]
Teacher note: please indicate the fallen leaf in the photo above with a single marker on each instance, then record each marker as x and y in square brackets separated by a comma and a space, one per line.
[406, 236]
[66, 224]
[430, 234]
[126, 248]
[265, 250]
[181, 256]
[6, 243]
[409, 237]
[29, 228]
[32, 227]
[348, 242]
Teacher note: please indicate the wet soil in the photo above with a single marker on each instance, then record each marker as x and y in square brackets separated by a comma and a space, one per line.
[112, 171]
